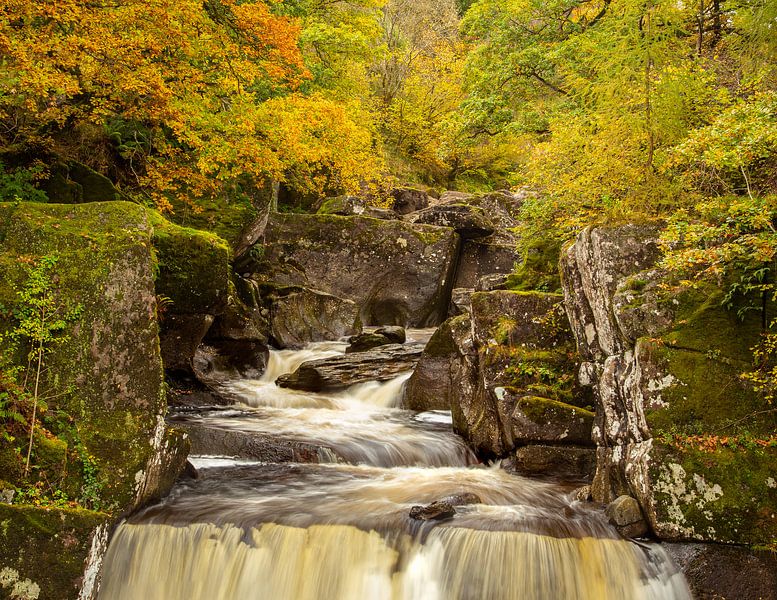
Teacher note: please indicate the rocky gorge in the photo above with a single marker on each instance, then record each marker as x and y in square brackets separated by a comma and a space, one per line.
[598, 385]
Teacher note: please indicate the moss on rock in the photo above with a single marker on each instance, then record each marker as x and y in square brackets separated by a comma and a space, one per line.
[193, 267]
[46, 549]
[107, 376]
[725, 495]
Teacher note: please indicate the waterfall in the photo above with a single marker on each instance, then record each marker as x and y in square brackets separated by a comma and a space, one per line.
[339, 528]
[336, 562]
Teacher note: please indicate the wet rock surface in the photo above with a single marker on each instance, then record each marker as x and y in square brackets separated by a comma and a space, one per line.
[566, 462]
[339, 372]
[439, 510]
[299, 316]
[446, 371]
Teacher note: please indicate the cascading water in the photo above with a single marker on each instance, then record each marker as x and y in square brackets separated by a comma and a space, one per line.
[341, 531]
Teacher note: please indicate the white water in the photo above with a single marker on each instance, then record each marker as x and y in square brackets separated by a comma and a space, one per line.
[341, 531]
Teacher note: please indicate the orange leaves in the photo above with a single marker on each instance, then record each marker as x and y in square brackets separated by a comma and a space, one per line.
[711, 443]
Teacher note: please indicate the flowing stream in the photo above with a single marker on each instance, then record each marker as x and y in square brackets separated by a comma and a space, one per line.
[339, 529]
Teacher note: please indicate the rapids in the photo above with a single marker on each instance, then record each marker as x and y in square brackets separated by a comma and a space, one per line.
[340, 529]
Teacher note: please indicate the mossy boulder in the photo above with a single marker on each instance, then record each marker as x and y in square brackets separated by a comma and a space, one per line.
[194, 268]
[537, 420]
[104, 380]
[722, 493]
[192, 283]
[397, 273]
[524, 358]
[107, 376]
[49, 552]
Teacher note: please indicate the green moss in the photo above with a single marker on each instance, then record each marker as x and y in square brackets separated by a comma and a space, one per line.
[227, 216]
[544, 410]
[538, 269]
[703, 324]
[48, 546]
[193, 267]
[704, 394]
[107, 377]
[727, 495]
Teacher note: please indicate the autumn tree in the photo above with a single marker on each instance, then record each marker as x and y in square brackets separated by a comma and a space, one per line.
[175, 100]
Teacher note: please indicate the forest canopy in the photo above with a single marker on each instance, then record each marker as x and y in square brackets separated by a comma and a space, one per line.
[605, 108]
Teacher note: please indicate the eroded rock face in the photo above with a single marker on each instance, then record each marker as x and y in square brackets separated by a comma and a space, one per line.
[657, 362]
[299, 316]
[397, 273]
[340, 372]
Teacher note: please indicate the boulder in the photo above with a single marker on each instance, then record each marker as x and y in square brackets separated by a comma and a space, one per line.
[503, 210]
[219, 361]
[481, 259]
[469, 222]
[192, 287]
[397, 273]
[366, 341]
[105, 379]
[299, 316]
[568, 462]
[395, 333]
[408, 200]
[438, 510]
[525, 365]
[663, 364]
[447, 369]
[625, 514]
[535, 419]
[344, 206]
[339, 372]
[179, 338]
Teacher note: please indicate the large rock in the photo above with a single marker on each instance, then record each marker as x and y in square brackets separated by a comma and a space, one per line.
[479, 259]
[397, 273]
[469, 222]
[568, 462]
[663, 363]
[105, 379]
[339, 372]
[525, 373]
[447, 369]
[409, 199]
[299, 316]
[192, 286]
